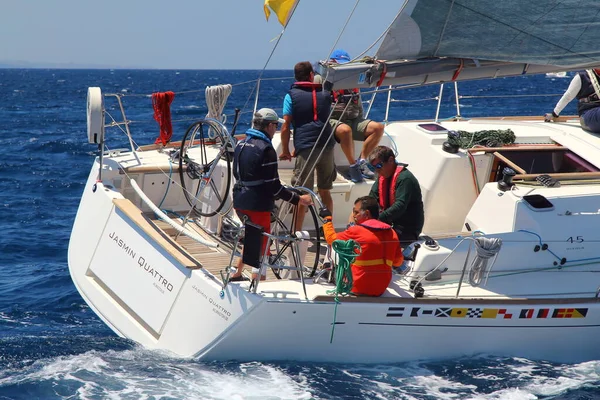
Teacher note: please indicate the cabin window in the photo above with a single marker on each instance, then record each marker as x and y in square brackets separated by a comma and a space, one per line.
[539, 162]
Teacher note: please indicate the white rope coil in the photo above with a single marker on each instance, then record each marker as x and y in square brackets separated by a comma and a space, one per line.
[216, 98]
[486, 248]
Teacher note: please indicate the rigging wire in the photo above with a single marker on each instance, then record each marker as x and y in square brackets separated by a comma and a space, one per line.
[342, 30]
[382, 34]
[270, 56]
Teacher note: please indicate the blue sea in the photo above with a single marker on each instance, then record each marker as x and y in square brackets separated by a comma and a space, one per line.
[52, 346]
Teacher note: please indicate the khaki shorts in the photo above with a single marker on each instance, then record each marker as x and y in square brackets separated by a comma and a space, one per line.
[358, 126]
[325, 168]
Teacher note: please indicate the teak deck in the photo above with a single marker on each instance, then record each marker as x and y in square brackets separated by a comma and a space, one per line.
[211, 259]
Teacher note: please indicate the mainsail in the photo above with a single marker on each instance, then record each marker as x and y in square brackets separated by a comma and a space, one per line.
[433, 41]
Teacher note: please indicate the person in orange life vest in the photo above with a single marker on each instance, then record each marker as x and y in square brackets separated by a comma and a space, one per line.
[372, 269]
[398, 193]
[350, 125]
[257, 180]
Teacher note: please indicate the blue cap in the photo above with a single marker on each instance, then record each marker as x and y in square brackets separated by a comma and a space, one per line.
[340, 56]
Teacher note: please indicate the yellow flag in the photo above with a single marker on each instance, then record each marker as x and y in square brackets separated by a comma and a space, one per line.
[282, 8]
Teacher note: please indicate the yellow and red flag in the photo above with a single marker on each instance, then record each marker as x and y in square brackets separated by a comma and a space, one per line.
[282, 8]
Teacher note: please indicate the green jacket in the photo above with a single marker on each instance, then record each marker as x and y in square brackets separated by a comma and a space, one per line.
[406, 213]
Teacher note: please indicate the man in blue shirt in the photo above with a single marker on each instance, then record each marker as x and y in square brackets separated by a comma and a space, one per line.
[307, 107]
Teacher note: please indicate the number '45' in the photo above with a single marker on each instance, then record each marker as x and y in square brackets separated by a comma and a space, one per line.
[578, 239]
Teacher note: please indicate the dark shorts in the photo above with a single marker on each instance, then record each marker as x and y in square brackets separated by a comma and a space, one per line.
[262, 218]
[325, 168]
[590, 120]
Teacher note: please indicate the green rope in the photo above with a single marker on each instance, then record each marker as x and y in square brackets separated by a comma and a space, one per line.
[347, 251]
[489, 138]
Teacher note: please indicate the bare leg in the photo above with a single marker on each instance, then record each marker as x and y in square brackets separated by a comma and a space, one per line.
[240, 268]
[343, 133]
[326, 199]
[299, 221]
[373, 135]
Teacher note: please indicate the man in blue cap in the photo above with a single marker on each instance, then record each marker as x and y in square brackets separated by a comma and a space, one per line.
[350, 125]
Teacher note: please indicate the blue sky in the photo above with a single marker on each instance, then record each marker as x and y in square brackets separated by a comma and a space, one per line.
[183, 34]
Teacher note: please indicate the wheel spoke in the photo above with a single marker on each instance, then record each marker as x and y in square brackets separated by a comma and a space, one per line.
[206, 167]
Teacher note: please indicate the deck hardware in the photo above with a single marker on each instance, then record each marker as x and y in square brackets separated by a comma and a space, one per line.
[419, 291]
[507, 176]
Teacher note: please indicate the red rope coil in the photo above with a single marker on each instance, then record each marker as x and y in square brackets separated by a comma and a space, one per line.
[161, 102]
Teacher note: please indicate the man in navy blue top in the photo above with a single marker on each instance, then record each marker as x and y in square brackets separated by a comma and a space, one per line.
[306, 107]
[257, 180]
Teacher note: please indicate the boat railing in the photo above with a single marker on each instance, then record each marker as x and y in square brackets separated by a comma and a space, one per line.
[437, 98]
[253, 90]
[285, 241]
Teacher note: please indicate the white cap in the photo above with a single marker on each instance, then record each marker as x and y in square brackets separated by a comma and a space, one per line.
[267, 114]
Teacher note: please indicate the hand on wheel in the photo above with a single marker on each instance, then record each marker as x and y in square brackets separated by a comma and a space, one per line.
[305, 200]
[324, 213]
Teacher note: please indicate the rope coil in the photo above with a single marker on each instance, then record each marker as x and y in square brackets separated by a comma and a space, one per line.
[347, 251]
[161, 102]
[486, 248]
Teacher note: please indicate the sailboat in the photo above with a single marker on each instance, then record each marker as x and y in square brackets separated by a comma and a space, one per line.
[508, 264]
[560, 74]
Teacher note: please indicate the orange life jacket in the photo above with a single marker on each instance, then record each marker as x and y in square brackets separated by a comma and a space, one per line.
[380, 250]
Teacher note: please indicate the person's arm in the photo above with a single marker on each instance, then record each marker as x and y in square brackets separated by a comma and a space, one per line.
[285, 129]
[569, 95]
[398, 256]
[270, 174]
[331, 235]
[374, 193]
[329, 231]
[403, 194]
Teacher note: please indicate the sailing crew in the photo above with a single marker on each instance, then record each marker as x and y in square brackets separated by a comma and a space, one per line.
[585, 87]
[349, 123]
[306, 107]
[380, 248]
[398, 194]
[257, 180]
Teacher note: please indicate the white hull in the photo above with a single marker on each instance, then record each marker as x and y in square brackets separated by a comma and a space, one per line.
[148, 289]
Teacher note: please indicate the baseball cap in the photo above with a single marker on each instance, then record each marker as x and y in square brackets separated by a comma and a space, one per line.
[267, 114]
[340, 56]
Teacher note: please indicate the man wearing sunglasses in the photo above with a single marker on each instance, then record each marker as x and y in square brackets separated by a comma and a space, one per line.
[257, 180]
[398, 194]
[380, 249]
